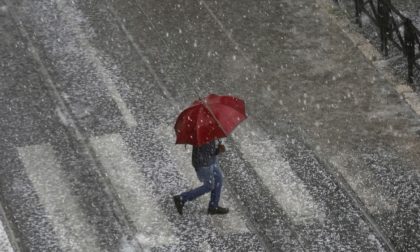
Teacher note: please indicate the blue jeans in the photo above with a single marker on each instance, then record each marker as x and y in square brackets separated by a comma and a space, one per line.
[212, 178]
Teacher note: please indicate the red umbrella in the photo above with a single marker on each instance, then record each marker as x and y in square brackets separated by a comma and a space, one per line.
[208, 119]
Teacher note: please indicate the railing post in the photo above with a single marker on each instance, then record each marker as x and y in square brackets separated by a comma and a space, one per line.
[358, 5]
[384, 24]
[409, 40]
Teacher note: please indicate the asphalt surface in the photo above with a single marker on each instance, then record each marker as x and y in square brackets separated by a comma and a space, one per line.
[328, 159]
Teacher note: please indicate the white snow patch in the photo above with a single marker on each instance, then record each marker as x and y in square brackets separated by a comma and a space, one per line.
[127, 116]
[372, 238]
[414, 100]
[132, 187]
[359, 180]
[126, 245]
[205, 247]
[62, 117]
[72, 43]
[69, 222]
[288, 189]
[4, 240]
[385, 112]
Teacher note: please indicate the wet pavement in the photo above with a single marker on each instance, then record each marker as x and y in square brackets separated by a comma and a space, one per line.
[328, 159]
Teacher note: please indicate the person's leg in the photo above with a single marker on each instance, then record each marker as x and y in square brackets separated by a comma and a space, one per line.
[205, 175]
[218, 183]
[195, 193]
[214, 207]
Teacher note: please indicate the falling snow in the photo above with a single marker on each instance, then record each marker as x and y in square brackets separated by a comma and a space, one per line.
[327, 159]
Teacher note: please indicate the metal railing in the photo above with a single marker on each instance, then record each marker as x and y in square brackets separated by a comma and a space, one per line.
[393, 27]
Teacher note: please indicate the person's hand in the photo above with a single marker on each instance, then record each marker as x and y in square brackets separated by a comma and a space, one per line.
[221, 148]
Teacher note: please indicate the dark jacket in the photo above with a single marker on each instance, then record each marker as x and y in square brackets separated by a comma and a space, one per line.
[204, 155]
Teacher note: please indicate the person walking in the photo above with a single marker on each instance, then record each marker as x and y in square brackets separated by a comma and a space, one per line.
[206, 164]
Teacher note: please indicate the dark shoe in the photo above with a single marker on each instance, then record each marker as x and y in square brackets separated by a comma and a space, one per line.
[178, 203]
[218, 210]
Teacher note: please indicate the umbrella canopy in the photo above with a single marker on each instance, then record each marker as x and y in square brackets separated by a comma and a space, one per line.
[208, 119]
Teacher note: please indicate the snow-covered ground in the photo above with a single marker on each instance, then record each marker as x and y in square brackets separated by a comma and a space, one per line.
[4, 241]
[92, 90]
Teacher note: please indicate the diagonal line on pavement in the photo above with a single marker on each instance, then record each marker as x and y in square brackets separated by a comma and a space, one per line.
[73, 127]
[131, 186]
[71, 226]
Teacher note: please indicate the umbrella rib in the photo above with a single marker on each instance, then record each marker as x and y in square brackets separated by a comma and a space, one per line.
[197, 128]
[211, 113]
[230, 107]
